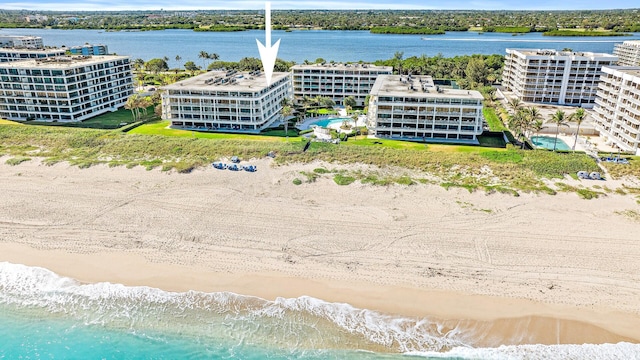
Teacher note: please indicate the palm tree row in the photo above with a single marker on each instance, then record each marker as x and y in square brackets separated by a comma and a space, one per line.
[526, 120]
[206, 56]
[138, 105]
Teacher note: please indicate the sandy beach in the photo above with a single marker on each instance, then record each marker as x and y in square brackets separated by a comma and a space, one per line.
[559, 269]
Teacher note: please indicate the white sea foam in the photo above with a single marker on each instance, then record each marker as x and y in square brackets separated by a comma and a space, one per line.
[620, 351]
[297, 323]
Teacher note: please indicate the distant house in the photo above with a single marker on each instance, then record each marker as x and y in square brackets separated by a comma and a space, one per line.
[413, 108]
[337, 81]
[628, 53]
[64, 88]
[616, 114]
[15, 54]
[10, 41]
[88, 49]
[226, 101]
[555, 77]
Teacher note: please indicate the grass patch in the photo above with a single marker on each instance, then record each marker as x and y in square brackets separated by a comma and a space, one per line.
[631, 214]
[311, 176]
[297, 181]
[470, 187]
[404, 180]
[321, 171]
[494, 122]
[17, 160]
[341, 179]
[161, 128]
[108, 121]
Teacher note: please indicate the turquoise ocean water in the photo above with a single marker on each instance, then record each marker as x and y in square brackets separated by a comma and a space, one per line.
[45, 316]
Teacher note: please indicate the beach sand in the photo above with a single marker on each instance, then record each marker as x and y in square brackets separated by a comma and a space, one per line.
[510, 270]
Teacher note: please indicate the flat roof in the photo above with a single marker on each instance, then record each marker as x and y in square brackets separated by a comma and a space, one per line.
[630, 70]
[27, 50]
[61, 62]
[341, 66]
[423, 86]
[553, 52]
[227, 81]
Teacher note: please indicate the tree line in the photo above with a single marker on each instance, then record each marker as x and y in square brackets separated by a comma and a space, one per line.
[625, 20]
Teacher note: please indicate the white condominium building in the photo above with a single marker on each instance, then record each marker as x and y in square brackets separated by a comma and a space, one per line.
[226, 101]
[617, 111]
[413, 108]
[556, 77]
[14, 54]
[64, 88]
[628, 53]
[21, 41]
[337, 81]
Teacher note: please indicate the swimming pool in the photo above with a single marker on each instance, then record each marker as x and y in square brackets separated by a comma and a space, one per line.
[547, 142]
[330, 121]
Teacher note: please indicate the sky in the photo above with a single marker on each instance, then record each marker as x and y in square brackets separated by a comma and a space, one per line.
[62, 5]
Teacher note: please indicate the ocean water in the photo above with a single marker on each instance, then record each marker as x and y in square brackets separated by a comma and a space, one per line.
[297, 46]
[46, 316]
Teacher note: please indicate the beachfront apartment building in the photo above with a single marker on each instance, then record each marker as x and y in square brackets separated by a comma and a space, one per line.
[337, 81]
[413, 108]
[226, 101]
[15, 54]
[89, 49]
[64, 88]
[555, 77]
[34, 42]
[616, 114]
[628, 53]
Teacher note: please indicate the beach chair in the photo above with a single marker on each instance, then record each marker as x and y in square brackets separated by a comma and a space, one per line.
[583, 175]
[595, 176]
[235, 159]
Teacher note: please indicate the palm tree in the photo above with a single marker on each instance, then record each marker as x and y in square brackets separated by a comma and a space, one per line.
[397, 56]
[559, 119]
[286, 111]
[178, 58]
[578, 117]
[514, 104]
[203, 55]
[537, 126]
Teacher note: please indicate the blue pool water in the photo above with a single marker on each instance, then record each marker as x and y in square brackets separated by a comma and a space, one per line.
[547, 142]
[330, 121]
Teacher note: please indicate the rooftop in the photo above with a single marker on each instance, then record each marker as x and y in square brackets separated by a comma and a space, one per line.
[61, 62]
[552, 52]
[23, 49]
[418, 86]
[630, 70]
[227, 80]
[341, 66]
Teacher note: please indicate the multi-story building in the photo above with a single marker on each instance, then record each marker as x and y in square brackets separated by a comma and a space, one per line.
[628, 53]
[617, 111]
[337, 81]
[413, 108]
[14, 54]
[226, 101]
[556, 77]
[88, 49]
[64, 88]
[21, 41]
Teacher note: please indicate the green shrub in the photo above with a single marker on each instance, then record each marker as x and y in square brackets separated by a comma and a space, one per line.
[321, 171]
[343, 180]
[297, 181]
[17, 160]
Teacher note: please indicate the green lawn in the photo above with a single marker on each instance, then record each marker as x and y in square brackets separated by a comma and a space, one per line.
[161, 128]
[110, 120]
[495, 124]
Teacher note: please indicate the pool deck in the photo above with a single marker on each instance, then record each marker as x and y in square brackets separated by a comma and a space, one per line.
[342, 113]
